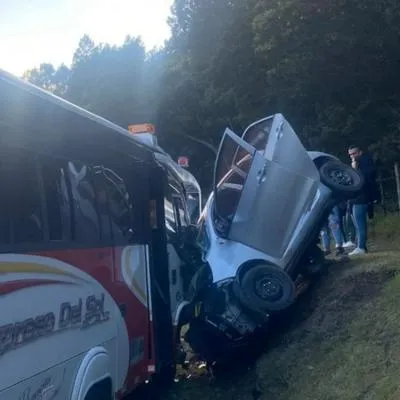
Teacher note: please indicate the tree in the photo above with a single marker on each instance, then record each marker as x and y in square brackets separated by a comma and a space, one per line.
[49, 78]
[85, 51]
[230, 62]
[328, 69]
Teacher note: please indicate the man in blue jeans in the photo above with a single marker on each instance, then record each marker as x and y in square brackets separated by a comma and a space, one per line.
[365, 165]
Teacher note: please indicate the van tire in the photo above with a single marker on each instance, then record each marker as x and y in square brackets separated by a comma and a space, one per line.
[100, 391]
[344, 181]
[266, 288]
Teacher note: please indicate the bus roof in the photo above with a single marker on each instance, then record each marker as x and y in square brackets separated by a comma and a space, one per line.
[35, 117]
[188, 180]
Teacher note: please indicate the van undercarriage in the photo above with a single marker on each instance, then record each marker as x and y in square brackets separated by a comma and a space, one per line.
[220, 325]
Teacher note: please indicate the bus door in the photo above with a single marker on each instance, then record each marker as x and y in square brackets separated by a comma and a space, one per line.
[122, 199]
[180, 263]
[159, 276]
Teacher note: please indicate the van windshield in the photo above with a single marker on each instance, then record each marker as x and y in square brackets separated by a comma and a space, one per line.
[257, 134]
[232, 167]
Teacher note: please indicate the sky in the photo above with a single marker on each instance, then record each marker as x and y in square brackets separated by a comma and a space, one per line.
[37, 31]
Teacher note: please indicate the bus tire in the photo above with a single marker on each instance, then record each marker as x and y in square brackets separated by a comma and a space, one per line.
[160, 384]
[165, 378]
[100, 391]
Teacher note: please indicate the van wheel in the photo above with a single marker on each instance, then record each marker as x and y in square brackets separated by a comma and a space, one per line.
[266, 288]
[344, 181]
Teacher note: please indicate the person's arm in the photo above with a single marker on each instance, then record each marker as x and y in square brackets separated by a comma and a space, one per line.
[367, 168]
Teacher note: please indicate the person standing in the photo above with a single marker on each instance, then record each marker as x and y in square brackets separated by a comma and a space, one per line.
[333, 224]
[347, 238]
[364, 163]
[348, 227]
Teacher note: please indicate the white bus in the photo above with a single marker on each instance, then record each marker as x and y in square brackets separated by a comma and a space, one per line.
[90, 292]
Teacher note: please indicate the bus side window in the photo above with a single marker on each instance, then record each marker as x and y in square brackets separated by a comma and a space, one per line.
[170, 211]
[5, 204]
[102, 204]
[57, 194]
[24, 197]
[181, 211]
[119, 204]
[86, 225]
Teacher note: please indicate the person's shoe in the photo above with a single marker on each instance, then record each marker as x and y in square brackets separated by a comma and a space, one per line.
[348, 245]
[326, 252]
[357, 252]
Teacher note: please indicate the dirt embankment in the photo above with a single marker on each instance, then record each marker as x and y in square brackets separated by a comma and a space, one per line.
[340, 341]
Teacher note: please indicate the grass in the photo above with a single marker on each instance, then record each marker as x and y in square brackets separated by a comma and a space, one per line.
[348, 347]
[342, 340]
[385, 231]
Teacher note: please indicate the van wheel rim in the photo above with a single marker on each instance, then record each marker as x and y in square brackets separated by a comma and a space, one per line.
[268, 289]
[340, 177]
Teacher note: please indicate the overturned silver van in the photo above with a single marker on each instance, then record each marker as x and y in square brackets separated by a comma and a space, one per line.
[259, 228]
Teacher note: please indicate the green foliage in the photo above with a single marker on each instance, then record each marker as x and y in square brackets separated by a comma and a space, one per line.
[49, 78]
[331, 68]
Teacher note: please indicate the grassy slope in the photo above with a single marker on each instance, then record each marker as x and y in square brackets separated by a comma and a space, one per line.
[349, 347]
[343, 341]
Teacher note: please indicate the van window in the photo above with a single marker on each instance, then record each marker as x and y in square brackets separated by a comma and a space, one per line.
[257, 135]
[232, 167]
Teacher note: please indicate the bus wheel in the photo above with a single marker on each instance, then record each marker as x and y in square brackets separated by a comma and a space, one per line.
[100, 391]
[266, 287]
[164, 379]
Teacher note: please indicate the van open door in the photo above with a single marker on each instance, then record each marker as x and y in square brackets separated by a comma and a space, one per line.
[263, 190]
